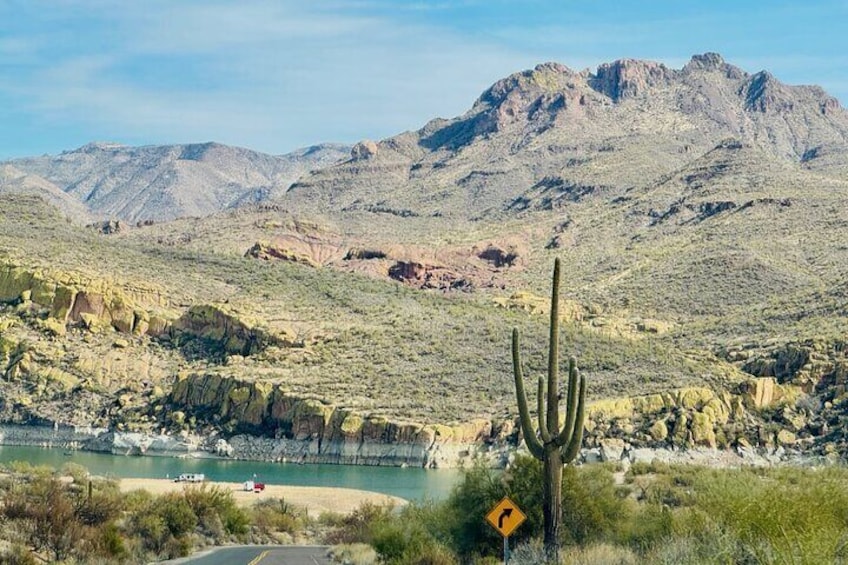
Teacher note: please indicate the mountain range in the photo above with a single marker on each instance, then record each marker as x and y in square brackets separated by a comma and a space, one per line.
[156, 183]
[699, 213]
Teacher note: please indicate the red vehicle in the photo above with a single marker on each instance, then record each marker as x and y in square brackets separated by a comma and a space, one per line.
[253, 486]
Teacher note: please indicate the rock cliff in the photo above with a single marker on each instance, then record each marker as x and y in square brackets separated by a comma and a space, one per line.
[70, 297]
[284, 426]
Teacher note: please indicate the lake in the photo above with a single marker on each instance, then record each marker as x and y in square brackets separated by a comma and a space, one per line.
[408, 483]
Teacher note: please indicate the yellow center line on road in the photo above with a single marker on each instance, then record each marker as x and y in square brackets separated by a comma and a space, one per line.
[259, 558]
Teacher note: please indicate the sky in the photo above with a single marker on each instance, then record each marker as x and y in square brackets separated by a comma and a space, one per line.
[275, 75]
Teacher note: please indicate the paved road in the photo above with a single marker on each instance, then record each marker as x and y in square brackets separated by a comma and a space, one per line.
[260, 555]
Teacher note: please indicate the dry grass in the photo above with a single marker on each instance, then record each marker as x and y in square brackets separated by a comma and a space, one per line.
[316, 500]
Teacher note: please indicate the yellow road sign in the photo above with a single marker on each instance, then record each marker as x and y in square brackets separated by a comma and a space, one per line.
[505, 517]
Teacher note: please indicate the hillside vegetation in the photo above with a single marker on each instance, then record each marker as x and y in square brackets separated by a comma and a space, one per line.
[699, 213]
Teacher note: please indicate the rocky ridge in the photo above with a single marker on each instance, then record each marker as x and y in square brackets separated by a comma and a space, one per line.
[160, 183]
[15, 181]
[526, 125]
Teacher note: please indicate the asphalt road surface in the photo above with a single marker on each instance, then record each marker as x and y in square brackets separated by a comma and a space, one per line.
[260, 555]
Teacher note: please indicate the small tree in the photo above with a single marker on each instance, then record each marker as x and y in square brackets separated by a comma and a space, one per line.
[555, 447]
[54, 523]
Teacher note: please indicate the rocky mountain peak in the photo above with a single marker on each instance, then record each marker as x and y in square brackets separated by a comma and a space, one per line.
[711, 63]
[553, 67]
[764, 93]
[197, 151]
[530, 84]
[627, 78]
[363, 150]
[707, 61]
[97, 147]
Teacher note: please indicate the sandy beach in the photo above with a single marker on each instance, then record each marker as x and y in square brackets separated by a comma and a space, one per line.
[316, 500]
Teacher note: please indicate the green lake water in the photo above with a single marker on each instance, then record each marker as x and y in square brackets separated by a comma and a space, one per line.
[408, 483]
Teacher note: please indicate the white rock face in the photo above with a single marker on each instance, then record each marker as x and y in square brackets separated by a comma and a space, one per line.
[44, 436]
[435, 456]
[128, 443]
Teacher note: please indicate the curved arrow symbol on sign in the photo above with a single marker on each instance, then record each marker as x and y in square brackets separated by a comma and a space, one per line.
[507, 512]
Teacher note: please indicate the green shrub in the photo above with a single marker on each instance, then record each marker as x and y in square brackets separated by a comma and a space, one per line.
[354, 554]
[651, 525]
[113, 542]
[102, 507]
[236, 521]
[403, 542]
[16, 505]
[359, 525]
[27, 469]
[76, 471]
[523, 482]
[407, 541]
[176, 513]
[782, 515]
[798, 515]
[277, 515]
[478, 492]
[592, 508]
[18, 555]
[151, 529]
[136, 500]
[430, 554]
[601, 554]
[53, 523]
[177, 547]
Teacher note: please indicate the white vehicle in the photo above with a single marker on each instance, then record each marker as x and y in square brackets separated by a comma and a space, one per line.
[253, 486]
[190, 478]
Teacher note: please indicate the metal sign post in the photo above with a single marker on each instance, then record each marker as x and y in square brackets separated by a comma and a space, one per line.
[505, 517]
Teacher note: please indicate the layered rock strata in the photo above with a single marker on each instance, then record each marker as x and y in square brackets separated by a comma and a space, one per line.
[74, 298]
[286, 427]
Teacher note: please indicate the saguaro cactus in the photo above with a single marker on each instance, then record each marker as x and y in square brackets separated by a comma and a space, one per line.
[553, 445]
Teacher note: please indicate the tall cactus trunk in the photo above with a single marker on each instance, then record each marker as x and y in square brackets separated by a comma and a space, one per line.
[552, 502]
[554, 446]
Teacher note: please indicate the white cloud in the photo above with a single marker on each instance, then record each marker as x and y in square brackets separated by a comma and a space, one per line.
[273, 75]
[278, 77]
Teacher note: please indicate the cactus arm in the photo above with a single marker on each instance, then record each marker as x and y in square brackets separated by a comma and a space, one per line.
[553, 356]
[526, 424]
[540, 410]
[564, 436]
[576, 442]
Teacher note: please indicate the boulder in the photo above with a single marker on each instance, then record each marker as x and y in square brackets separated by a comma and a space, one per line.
[658, 430]
[425, 276]
[229, 330]
[785, 437]
[702, 429]
[498, 256]
[612, 449]
[269, 252]
[363, 150]
[759, 392]
[223, 449]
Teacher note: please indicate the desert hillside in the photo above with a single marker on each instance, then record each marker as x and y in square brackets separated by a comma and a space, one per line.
[345, 297]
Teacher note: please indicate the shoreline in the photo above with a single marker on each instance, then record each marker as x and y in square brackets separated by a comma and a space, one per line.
[102, 440]
[242, 447]
[316, 500]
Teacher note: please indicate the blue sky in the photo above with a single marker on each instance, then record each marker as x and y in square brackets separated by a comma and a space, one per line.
[274, 75]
